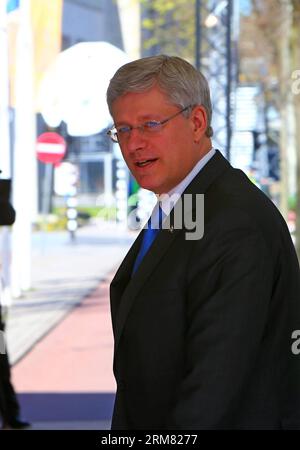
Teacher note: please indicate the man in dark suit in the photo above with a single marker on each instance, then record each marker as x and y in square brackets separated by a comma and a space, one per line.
[9, 405]
[203, 324]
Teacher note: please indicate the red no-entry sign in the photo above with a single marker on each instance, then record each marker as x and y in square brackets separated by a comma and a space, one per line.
[50, 148]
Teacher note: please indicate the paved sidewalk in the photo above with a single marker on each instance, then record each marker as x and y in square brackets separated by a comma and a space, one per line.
[66, 381]
[59, 335]
[63, 274]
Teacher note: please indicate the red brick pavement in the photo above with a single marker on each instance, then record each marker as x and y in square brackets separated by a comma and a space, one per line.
[76, 356]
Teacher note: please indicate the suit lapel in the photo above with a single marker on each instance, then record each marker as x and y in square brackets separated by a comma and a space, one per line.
[124, 288]
[122, 278]
[146, 267]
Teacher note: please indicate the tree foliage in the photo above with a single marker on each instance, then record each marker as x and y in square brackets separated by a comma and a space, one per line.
[295, 49]
[169, 27]
[269, 50]
[270, 40]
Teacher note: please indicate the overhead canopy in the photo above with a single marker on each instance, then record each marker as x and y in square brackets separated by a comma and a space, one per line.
[74, 88]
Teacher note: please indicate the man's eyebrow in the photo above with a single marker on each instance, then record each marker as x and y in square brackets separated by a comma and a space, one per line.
[117, 124]
[141, 119]
[153, 116]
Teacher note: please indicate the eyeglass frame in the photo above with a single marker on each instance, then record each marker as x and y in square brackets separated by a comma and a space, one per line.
[111, 133]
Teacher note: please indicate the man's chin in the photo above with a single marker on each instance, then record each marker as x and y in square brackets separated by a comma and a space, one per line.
[146, 184]
[148, 188]
[156, 189]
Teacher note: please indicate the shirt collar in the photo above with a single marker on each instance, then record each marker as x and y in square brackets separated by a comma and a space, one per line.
[178, 190]
[164, 201]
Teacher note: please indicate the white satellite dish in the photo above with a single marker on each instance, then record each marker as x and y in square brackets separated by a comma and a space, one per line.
[74, 88]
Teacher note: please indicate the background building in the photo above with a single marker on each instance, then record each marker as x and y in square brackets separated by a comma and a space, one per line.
[87, 21]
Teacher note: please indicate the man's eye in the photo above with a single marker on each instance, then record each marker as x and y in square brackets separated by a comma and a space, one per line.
[123, 129]
[151, 125]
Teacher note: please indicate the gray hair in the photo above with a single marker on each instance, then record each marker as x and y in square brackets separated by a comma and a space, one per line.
[178, 79]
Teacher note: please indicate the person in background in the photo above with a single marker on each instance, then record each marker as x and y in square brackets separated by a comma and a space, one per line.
[205, 309]
[9, 405]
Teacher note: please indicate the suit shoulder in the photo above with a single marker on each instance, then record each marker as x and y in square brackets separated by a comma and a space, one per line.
[233, 191]
[234, 203]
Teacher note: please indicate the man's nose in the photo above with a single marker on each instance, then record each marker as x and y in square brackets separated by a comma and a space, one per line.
[136, 139]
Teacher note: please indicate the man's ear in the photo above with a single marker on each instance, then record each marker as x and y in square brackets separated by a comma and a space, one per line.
[199, 122]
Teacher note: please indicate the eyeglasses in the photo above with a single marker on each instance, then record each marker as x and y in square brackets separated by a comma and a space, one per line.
[121, 132]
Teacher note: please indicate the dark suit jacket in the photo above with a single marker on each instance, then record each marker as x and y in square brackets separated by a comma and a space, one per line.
[7, 217]
[7, 212]
[203, 329]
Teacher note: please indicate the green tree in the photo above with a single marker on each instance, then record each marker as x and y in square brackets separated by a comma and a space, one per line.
[270, 40]
[266, 44]
[169, 27]
[295, 48]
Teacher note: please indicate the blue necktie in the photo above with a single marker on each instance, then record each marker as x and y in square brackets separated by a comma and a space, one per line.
[148, 238]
